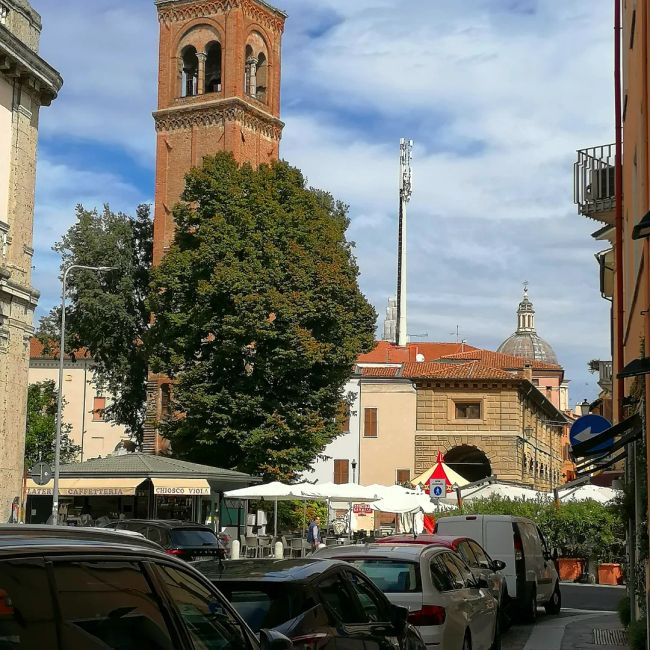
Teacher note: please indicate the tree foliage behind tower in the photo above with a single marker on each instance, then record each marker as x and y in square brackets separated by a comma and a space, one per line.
[107, 313]
[258, 318]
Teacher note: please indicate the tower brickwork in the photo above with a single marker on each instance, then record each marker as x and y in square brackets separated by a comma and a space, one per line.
[218, 90]
[27, 82]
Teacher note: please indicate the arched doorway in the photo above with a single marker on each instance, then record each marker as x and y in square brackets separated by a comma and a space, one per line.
[470, 462]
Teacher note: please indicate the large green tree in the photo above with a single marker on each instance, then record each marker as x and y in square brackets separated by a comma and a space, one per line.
[258, 318]
[107, 313]
[41, 427]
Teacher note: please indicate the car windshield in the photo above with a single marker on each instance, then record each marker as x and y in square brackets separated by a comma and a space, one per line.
[264, 604]
[193, 537]
[391, 576]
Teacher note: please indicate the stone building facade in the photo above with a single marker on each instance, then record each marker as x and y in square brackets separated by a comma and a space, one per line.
[27, 82]
[485, 421]
[218, 90]
[503, 427]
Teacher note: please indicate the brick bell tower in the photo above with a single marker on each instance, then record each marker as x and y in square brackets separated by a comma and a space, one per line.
[218, 90]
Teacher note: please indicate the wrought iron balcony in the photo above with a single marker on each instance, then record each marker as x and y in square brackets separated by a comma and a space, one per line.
[594, 182]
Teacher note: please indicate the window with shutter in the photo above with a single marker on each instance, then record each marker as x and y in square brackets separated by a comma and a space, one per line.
[99, 404]
[341, 471]
[403, 476]
[370, 423]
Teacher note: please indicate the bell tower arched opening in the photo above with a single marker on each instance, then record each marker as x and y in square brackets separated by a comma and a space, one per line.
[213, 68]
[190, 72]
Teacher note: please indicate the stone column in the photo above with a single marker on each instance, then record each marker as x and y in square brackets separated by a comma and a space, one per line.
[251, 64]
[201, 56]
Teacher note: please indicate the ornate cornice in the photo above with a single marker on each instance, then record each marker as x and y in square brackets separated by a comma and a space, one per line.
[172, 11]
[219, 113]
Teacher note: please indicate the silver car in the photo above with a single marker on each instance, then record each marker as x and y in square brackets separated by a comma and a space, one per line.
[453, 609]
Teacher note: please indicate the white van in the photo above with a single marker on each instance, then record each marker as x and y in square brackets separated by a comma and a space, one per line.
[530, 572]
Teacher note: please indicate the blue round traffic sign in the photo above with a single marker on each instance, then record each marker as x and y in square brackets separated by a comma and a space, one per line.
[437, 491]
[589, 426]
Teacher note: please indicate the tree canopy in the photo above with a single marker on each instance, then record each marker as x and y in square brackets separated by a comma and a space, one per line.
[107, 313]
[258, 318]
[41, 427]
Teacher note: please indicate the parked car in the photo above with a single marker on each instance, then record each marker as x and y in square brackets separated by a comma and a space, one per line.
[319, 604]
[530, 571]
[66, 593]
[186, 540]
[479, 562]
[109, 535]
[452, 609]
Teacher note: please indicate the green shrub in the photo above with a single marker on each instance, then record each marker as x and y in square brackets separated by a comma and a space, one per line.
[624, 612]
[637, 635]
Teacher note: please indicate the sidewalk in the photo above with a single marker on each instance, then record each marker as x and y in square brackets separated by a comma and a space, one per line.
[580, 635]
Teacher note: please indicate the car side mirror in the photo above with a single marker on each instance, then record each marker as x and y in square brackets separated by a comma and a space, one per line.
[498, 565]
[272, 640]
[399, 617]
[481, 583]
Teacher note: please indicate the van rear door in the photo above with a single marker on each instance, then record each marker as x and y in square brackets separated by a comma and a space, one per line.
[499, 544]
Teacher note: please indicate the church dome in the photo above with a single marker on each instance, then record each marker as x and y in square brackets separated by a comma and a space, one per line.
[525, 342]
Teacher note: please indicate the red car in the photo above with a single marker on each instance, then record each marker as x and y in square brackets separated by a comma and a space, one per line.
[473, 553]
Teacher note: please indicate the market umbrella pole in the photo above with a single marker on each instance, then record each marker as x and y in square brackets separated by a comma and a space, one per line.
[304, 518]
[275, 519]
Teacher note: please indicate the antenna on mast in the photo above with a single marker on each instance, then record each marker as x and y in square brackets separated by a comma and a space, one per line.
[405, 191]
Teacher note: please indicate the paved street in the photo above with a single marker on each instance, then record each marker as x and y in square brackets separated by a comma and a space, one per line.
[586, 607]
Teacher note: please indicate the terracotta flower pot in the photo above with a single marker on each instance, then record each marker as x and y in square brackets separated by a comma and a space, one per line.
[570, 569]
[609, 574]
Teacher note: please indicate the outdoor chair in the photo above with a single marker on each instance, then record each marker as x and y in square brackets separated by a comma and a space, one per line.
[286, 549]
[299, 546]
[243, 546]
[252, 546]
[264, 547]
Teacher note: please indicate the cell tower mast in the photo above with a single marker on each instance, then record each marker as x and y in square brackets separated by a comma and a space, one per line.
[405, 178]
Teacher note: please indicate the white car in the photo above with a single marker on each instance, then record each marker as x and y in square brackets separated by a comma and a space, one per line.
[451, 608]
[529, 569]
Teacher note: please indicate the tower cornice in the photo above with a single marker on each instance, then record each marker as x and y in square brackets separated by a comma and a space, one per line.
[219, 112]
[170, 11]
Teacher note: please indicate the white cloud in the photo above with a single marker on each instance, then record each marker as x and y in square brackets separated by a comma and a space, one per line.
[498, 96]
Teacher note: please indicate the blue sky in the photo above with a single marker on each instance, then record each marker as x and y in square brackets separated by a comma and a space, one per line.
[497, 94]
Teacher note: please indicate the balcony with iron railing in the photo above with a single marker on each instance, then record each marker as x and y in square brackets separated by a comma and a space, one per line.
[594, 182]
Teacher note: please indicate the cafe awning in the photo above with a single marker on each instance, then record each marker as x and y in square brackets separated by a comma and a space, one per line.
[87, 487]
[191, 487]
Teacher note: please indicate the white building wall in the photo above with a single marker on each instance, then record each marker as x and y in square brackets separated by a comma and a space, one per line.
[346, 446]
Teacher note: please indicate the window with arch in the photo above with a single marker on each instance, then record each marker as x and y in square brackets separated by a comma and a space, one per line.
[256, 76]
[189, 72]
[213, 68]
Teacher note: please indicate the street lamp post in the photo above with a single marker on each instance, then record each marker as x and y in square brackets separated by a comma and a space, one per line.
[59, 400]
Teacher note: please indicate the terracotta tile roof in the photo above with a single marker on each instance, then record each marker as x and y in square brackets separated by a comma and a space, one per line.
[380, 371]
[500, 360]
[387, 352]
[472, 370]
[37, 350]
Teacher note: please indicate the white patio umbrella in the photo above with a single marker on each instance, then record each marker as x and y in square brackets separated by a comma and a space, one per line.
[504, 490]
[411, 503]
[342, 493]
[275, 491]
[584, 492]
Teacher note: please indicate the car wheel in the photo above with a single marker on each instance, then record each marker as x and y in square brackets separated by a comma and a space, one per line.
[554, 605]
[496, 643]
[467, 642]
[530, 608]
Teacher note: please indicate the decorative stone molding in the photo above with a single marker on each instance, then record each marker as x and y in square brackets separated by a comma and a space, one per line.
[171, 12]
[219, 114]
